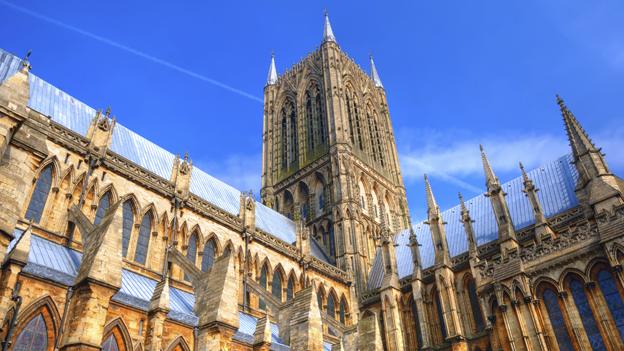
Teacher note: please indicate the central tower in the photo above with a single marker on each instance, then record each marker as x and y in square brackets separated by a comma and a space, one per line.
[329, 155]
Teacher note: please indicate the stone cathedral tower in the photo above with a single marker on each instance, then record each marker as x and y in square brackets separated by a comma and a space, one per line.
[329, 155]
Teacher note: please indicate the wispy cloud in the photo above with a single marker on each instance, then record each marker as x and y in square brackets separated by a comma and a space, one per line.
[460, 159]
[240, 171]
[132, 51]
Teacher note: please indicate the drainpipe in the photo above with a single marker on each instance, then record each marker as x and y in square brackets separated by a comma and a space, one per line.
[18, 302]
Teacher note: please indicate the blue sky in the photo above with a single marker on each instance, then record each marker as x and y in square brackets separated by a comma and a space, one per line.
[188, 75]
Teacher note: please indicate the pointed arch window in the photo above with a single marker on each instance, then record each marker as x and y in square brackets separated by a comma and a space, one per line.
[350, 117]
[263, 283]
[284, 146]
[416, 321]
[128, 222]
[140, 255]
[290, 289]
[309, 116]
[103, 205]
[34, 337]
[331, 306]
[110, 344]
[320, 118]
[208, 255]
[612, 295]
[191, 251]
[474, 305]
[276, 286]
[343, 311]
[556, 319]
[589, 322]
[332, 244]
[40, 195]
[440, 316]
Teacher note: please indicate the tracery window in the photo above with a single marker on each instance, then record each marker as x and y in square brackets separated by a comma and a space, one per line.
[343, 311]
[140, 254]
[110, 344]
[290, 289]
[276, 286]
[102, 207]
[582, 305]
[284, 142]
[191, 251]
[34, 336]
[39, 195]
[331, 306]
[263, 283]
[416, 322]
[332, 243]
[474, 305]
[613, 298]
[208, 255]
[373, 141]
[320, 117]
[378, 141]
[350, 118]
[556, 319]
[128, 222]
[440, 315]
[309, 121]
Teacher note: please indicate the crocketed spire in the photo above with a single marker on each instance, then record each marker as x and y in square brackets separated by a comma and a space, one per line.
[328, 33]
[374, 73]
[272, 77]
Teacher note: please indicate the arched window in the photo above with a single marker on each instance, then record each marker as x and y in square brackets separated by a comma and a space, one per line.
[228, 250]
[284, 146]
[371, 136]
[140, 254]
[416, 322]
[276, 286]
[309, 121]
[612, 296]
[350, 117]
[343, 311]
[191, 251]
[331, 306]
[293, 142]
[208, 255]
[110, 344]
[319, 297]
[290, 289]
[474, 305]
[34, 336]
[378, 141]
[587, 316]
[320, 116]
[40, 195]
[102, 207]
[358, 128]
[556, 319]
[332, 244]
[263, 283]
[440, 315]
[128, 222]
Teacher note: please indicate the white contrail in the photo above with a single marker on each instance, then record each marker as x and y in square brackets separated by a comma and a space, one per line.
[125, 48]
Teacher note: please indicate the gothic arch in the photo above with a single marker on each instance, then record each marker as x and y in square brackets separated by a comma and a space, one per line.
[150, 208]
[67, 178]
[45, 305]
[117, 327]
[178, 342]
[109, 188]
[569, 273]
[56, 169]
[135, 204]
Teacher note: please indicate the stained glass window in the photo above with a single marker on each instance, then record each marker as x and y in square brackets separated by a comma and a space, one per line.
[34, 337]
[276, 286]
[290, 289]
[584, 309]
[614, 299]
[191, 251]
[40, 195]
[208, 256]
[331, 306]
[332, 244]
[556, 319]
[416, 322]
[263, 283]
[343, 311]
[110, 344]
[143, 240]
[128, 222]
[102, 207]
[440, 315]
[474, 305]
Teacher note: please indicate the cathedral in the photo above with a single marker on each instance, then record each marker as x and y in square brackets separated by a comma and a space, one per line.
[110, 242]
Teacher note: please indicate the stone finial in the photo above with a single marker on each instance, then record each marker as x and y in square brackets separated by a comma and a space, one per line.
[436, 224]
[100, 133]
[542, 228]
[374, 74]
[467, 221]
[248, 210]
[579, 140]
[272, 77]
[415, 248]
[328, 33]
[181, 176]
[491, 181]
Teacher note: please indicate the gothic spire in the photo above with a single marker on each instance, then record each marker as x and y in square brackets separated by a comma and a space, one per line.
[328, 33]
[579, 140]
[272, 77]
[374, 73]
[467, 221]
[490, 178]
[542, 229]
[436, 225]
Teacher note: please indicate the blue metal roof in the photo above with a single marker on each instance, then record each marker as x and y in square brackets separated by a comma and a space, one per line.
[556, 181]
[77, 116]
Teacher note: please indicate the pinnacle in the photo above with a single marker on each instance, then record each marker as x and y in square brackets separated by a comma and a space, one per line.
[328, 33]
